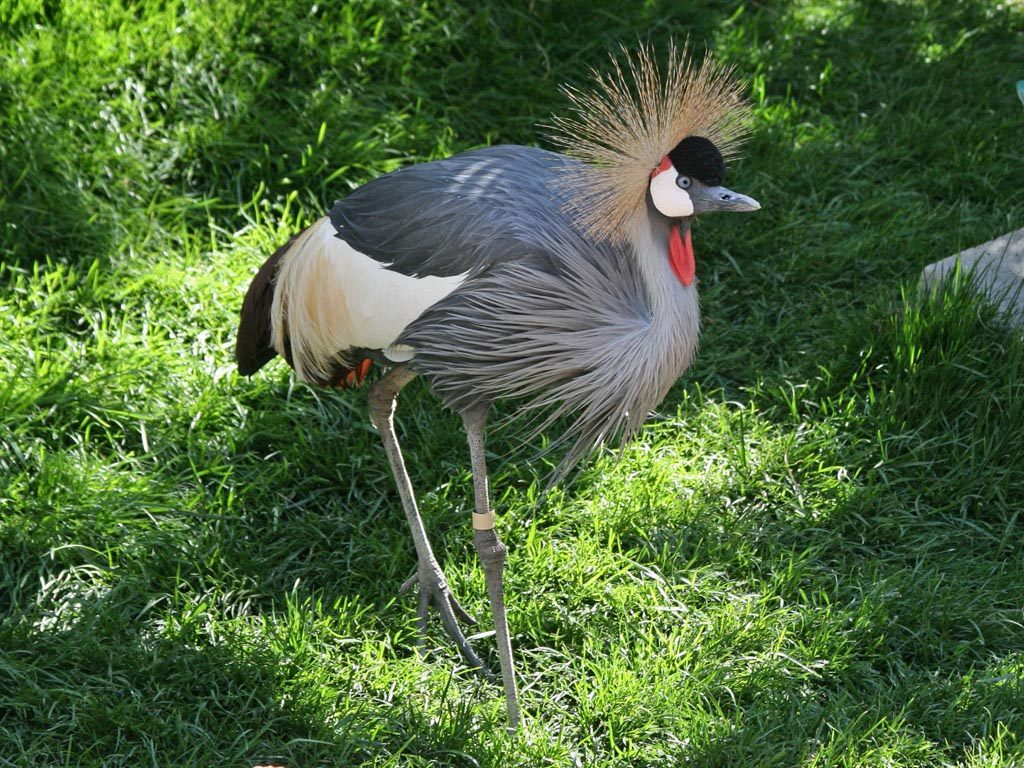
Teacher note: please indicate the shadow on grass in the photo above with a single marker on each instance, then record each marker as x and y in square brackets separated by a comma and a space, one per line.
[112, 692]
[44, 216]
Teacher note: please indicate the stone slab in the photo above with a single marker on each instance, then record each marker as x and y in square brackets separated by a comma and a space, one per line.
[997, 268]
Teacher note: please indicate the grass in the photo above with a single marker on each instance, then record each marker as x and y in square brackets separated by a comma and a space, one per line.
[813, 556]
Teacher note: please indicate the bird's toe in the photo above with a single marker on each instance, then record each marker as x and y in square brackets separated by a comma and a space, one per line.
[434, 591]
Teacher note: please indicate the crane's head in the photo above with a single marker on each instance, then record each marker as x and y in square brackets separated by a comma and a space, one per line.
[623, 128]
[688, 181]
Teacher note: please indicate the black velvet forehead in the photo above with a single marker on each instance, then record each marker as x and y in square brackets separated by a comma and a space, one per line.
[698, 158]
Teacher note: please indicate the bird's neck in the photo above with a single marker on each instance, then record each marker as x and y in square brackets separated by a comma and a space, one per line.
[664, 250]
[675, 308]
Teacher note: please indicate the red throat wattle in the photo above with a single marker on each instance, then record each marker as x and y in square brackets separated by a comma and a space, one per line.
[680, 255]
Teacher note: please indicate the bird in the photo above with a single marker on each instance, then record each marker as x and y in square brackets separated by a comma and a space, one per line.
[563, 280]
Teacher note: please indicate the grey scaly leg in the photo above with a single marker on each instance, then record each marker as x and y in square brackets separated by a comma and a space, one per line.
[433, 587]
[492, 556]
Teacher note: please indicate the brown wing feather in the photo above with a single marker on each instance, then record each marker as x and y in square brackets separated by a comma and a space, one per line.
[254, 347]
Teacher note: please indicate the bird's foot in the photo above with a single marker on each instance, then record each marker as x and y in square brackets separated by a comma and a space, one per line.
[434, 590]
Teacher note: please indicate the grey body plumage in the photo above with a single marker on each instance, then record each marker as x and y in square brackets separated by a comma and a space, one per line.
[545, 314]
[564, 282]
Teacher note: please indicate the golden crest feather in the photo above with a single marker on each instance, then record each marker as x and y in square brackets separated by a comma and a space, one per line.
[631, 119]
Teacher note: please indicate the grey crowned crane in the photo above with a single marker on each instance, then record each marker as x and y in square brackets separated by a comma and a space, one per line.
[566, 281]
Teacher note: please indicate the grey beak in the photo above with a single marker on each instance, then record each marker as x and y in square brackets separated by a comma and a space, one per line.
[721, 199]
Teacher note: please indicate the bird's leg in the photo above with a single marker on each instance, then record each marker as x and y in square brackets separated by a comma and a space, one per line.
[492, 556]
[433, 587]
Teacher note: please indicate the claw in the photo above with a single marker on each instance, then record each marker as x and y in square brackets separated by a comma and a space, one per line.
[409, 583]
[438, 589]
[434, 589]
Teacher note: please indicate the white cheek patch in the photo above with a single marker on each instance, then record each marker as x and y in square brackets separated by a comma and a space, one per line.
[668, 198]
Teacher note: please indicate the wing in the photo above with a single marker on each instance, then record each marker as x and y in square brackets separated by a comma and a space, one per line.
[457, 216]
[352, 282]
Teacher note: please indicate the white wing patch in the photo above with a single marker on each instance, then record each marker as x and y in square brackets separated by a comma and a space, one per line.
[330, 298]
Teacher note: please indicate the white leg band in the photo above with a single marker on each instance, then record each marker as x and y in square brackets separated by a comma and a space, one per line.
[483, 522]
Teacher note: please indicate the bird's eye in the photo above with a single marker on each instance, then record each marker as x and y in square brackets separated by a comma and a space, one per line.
[683, 182]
